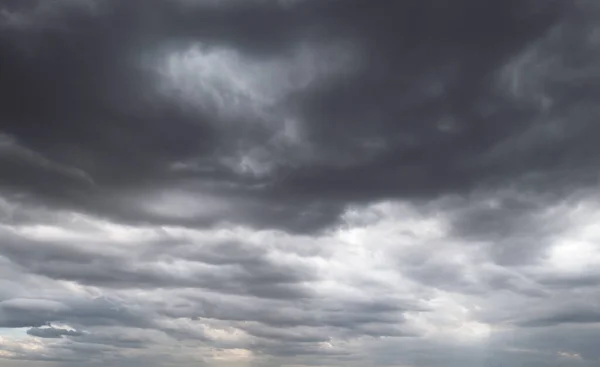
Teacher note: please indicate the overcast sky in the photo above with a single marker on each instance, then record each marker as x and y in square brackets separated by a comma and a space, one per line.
[270, 183]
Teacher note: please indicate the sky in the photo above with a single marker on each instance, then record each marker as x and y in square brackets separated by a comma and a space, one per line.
[294, 183]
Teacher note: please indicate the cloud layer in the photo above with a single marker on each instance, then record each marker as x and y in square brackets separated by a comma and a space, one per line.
[299, 183]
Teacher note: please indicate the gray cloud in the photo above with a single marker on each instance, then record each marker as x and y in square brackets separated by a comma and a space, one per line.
[299, 182]
[52, 332]
[24, 312]
[225, 267]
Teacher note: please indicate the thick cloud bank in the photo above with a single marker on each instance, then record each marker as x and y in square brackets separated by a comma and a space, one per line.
[299, 183]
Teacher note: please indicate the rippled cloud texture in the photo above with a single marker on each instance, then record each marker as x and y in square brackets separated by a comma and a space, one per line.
[299, 183]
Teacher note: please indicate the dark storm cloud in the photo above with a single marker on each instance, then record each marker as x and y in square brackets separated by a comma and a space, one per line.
[419, 116]
[144, 144]
[419, 98]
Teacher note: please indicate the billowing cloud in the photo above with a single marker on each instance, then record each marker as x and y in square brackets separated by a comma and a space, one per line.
[299, 183]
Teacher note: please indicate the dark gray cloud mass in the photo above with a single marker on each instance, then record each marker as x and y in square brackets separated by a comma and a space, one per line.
[299, 183]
